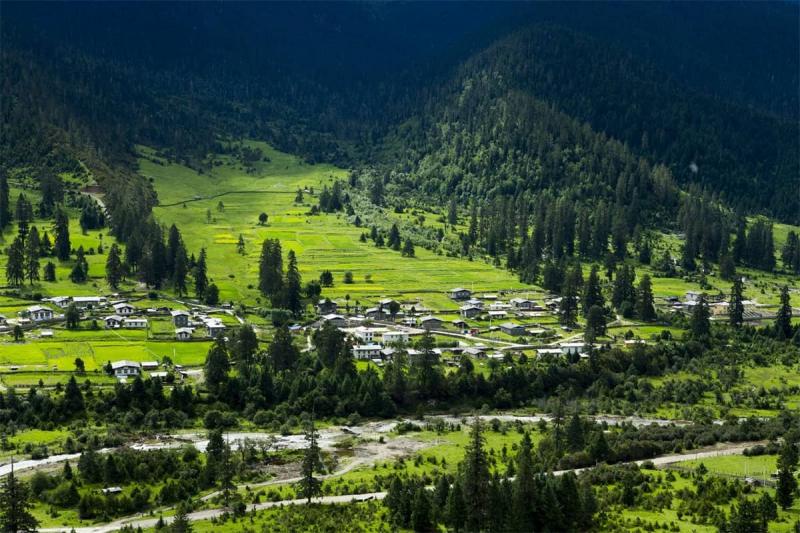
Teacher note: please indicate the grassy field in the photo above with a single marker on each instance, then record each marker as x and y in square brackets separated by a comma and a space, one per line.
[322, 242]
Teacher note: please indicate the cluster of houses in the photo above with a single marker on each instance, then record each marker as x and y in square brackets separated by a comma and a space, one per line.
[185, 324]
[718, 306]
[125, 369]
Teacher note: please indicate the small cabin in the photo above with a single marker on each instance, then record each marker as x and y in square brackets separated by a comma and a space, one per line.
[459, 293]
[326, 306]
[183, 334]
[134, 323]
[124, 309]
[515, 330]
[180, 318]
[126, 369]
[113, 321]
[430, 322]
[39, 313]
[470, 311]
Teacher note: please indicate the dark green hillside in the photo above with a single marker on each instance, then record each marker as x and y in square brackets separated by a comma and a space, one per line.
[750, 158]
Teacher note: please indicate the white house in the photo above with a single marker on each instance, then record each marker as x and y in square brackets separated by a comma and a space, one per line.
[134, 323]
[474, 301]
[61, 301]
[89, 302]
[125, 369]
[214, 327]
[549, 352]
[394, 337]
[183, 334]
[124, 309]
[113, 321]
[39, 313]
[365, 334]
[180, 318]
[572, 348]
[367, 351]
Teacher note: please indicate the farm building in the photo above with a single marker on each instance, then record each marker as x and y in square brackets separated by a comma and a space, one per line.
[515, 330]
[522, 303]
[376, 313]
[124, 309]
[474, 301]
[125, 369]
[469, 311]
[394, 337]
[459, 293]
[549, 352]
[88, 302]
[113, 321]
[335, 320]
[572, 348]
[367, 351]
[183, 334]
[498, 314]
[214, 327]
[150, 365]
[430, 322]
[134, 323]
[39, 313]
[180, 318]
[326, 306]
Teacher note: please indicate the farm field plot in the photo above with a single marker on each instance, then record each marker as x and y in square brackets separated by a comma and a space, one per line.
[322, 242]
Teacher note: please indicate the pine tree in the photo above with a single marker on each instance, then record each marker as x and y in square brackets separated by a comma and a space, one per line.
[72, 316]
[293, 286]
[408, 248]
[270, 270]
[783, 320]
[524, 491]
[282, 352]
[311, 486]
[201, 275]
[568, 309]
[15, 265]
[180, 270]
[240, 245]
[645, 307]
[15, 515]
[181, 523]
[62, 246]
[699, 322]
[32, 250]
[393, 241]
[592, 292]
[80, 271]
[23, 214]
[735, 306]
[595, 324]
[475, 480]
[787, 484]
[114, 269]
[452, 212]
[421, 511]
[5, 203]
[217, 364]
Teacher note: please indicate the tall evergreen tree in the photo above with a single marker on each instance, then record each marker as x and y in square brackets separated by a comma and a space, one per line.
[568, 308]
[217, 365]
[310, 485]
[180, 270]
[735, 306]
[592, 292]
[524, 491]
[645, 307]
[15, 506]
[24, 215]
[32, 251]
[114, 267]
[475, 480]
[270, 270]
[783, 320]
[699, 322]
[394, 241]
[15, 264]
[5, 202]
[201, 275]
[62, 246]
[408, 248]
[293, 286]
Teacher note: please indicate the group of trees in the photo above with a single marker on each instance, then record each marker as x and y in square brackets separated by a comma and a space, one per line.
[284, 289]
[523, 498]
[392, 240]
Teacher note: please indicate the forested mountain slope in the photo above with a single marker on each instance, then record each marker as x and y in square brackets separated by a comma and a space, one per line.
[486, 100]
[749, 157]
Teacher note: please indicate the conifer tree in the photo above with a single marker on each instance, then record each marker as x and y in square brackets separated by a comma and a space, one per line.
[114, 268]
[15, 506]
[783, 320]
[592, 292]
[393, 241]
[62, 247]
[32, 251]
[699, 322]
[24, 215]
[310, 485]
[5, 203]
[735, 306]
[475, 480]
[645, 307]
[408, 248]
[15, 264]
[201, 275]
[293, 286]
[180, 270]
[217, 364]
